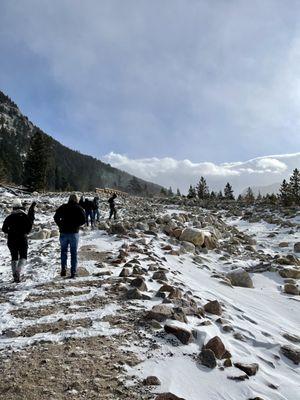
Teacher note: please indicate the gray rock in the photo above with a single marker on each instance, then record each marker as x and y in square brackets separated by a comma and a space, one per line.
[291, 352]
[240, 277]
[207, 358]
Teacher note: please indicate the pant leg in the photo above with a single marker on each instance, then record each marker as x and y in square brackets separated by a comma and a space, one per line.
[86, 217]
[74, 240]
[13, 248]
[97, 215]
[111, 213]
[64, 244]
[23, 248]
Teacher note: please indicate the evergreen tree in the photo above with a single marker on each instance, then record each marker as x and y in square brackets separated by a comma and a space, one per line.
[163, 191]
[191, 192]
[202, 189]
[220, 195]
[249, 196]
[170, 192]
[285, 193]
[3, 173]
[178, 193]
[294, 186]
[259, 198]
[228, 192]
[37, 162]
[134, 186]
[212, 195]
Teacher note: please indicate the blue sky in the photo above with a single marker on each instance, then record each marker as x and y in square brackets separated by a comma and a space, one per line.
[195, 80]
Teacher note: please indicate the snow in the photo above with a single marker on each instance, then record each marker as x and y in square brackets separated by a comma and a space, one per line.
[261, 314]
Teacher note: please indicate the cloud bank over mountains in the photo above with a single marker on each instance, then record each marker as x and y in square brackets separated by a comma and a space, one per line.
[167, 171]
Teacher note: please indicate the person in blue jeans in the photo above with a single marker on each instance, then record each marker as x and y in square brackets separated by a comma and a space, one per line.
[69, 217]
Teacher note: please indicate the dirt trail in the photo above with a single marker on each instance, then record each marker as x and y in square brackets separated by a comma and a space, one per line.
[73, 368]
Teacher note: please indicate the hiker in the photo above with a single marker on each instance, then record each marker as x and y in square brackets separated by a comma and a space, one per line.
[89, 212]
[81, 201]
[69, 217]
[96, 213]
[112, 206]
[17, 226]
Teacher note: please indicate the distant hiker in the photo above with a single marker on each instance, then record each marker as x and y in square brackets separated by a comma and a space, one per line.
[112, 206]
[89, 212]
[81, 201]
[17, 226]
[96, 213]
[69, 217]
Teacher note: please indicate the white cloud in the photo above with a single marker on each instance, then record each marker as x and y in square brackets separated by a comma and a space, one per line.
[181, 173]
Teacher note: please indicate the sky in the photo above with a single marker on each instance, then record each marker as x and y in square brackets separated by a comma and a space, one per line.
[193, 82]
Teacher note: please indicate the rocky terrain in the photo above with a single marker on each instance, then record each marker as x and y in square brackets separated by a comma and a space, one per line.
[171, 302]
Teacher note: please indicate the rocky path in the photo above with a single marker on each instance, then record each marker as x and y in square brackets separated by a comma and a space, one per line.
[158, 312]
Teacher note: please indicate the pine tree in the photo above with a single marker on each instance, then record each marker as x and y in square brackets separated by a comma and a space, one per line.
[249, 196]
[220, 195]
[294, 186]
[36, 163]
[163, 191]
[178, 193]
[170, 192]
[202, 189]
[212, 195]
[259, 198]
[285, 193]
[191, 192]
[3, 173]
[228, 192]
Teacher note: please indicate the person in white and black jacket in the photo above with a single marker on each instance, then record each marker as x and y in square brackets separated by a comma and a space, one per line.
[17, 226]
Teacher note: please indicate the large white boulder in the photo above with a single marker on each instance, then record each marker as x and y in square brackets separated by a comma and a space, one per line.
[240, 277]
[193, 235]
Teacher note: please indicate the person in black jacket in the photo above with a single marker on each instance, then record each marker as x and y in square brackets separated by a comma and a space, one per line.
[69, 217]
[96, 213]
[89, 212]
[112, 206]
[17, 226]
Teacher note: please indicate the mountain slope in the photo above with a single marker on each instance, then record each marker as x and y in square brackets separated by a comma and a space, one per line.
[69, 169]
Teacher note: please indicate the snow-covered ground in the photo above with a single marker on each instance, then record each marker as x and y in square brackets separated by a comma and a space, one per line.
[258, 317]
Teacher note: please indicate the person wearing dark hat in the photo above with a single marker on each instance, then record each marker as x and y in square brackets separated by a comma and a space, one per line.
[17, 226]
[69, 217]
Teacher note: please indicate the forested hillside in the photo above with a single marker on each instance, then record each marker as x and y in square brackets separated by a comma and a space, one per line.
[66, 169]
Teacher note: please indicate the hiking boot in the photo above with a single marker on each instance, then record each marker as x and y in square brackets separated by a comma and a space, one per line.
[16, 276]
[63, 272]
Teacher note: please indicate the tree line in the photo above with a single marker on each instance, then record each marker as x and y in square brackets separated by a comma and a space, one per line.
[289, 193]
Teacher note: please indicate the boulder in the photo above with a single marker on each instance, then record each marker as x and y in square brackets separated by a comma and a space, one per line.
[210, 242]
[240, 277]
[207, 358]
[290, 288]
[193, 235]
[297, 247]
[168, 396]
[160, 313]
[290, 273]
[41, 234]
[151, 381]
[139, 283]
[54, 233]
[216, 345]
[135, 294]
[117, 229]
[187, 247]
[213, 307]
[291, 352]
[125, 272]
[249, 369]
[160, 275]
[184, 335]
